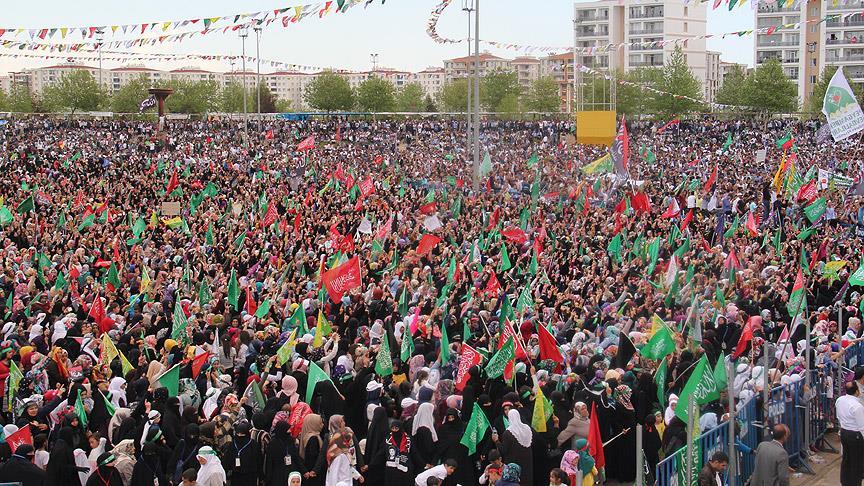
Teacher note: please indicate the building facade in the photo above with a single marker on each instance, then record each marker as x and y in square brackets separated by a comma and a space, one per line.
[713, 75]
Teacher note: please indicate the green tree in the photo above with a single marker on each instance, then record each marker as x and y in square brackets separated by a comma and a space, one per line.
[376, 95]
[634, 97]
[193, 97]
[4, 101]
[231, 98]
[496, 86]
[283, 106]
[430, 106]
[509, 106]
[75, 91]
[410, 98]
[814, 103]
[543, 96]
[268, 101]
[329, 92]
[20, 99]
[678, 80]
[770, 91]
[734, 89]
[454, 95]
[128, 98]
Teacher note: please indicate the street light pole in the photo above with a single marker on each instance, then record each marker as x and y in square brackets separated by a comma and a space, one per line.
[258, 69]
[468, 6]
[99, 37]
[244, 32]
[477, 96]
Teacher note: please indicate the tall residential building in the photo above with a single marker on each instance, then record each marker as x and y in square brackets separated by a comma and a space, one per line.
[527, 70]
[432, 80]
[462, 66]
[805, 51]
[641, 26]
[713, 75]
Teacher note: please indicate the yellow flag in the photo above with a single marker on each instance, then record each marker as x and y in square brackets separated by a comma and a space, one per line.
[540, 415]
[318, 340]
[127, 366]
[154, 220]
[656, 325]
[109, 351]
[145, 279]
[778, 176]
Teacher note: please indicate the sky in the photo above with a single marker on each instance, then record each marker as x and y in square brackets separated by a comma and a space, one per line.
[396, 31]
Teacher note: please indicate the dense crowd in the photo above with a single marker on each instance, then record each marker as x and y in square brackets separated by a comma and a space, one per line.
[155, 343]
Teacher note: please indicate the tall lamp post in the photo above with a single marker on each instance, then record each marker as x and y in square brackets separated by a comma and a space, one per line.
[99, 36]
[244, 32]
[477, 95]
[258, 69]
[468, 6]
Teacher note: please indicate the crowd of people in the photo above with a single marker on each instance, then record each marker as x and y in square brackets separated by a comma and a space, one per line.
[170, 317]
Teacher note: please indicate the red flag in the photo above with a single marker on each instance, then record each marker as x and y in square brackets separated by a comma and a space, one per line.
[818, 255]
[367, 187]
[492, 286]
[172, 183]
[549, 347]
[470, 357]
[379, 159]
[198, 363]
[693, 162]
[427, 243]
[507, 332]
[641, 203]
[270, 216]
[338, 133]
[687, 220]
[268, 135]
[595, 440]
[428, 208]
[23, 436]
[342, 279]
[710, 182]
[251, 306]
[297, 223]
[673, 210]
[384, 230]
[621, 206]
[746, 337]
[346, 244]
[514, 234]
[732, 260]
[752, 225]
[493, 220]
[97, 312]
[116, 251]
[308, 143]
[668, 125]
[807, 192]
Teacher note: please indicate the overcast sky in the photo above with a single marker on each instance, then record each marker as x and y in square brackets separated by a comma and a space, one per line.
[395, 31]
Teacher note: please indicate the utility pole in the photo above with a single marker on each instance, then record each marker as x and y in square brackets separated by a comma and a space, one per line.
[468, 6]
[374, 58]
[99, 37]
[257, 29]
[477, 96]
[244, 32]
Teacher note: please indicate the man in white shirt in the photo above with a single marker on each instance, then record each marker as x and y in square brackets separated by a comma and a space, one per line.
[440, 471]
[850, 414]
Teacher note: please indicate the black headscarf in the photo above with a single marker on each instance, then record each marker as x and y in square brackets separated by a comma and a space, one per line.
[378, 430]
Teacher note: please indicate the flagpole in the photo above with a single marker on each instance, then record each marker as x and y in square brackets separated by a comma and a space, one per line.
[691, 409]
[730, 397]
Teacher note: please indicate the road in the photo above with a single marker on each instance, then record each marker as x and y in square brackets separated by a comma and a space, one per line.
[827, 473]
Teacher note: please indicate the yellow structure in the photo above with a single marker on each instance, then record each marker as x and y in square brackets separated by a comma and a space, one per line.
[595, 127]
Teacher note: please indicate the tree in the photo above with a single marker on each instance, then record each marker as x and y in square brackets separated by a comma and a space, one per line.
[770, 91]
[734, 89]
[75, 91]
[454, 95]
[543, 96]
[685, 91]
[814, 103]
[193, 97]
[4, 101]
[376, 95]
[509, 107]
[20, 99]
[231, 98]
[496, 86]
[431, 107]
[268, 101]
[283, 106]
[410, 98]
[634, 97]
[128, 98]
[329, 92]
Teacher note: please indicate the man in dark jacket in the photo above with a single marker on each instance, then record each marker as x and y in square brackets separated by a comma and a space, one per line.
[20, 468]
[710, 474]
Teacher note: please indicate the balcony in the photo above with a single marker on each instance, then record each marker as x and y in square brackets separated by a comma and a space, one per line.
[774, 8]
[848, 23]
[856, 40]
[646, 32]
[646, 47]
[647, 14]
[846, 58]
[592, 18]
[848, 6]
[655, 63]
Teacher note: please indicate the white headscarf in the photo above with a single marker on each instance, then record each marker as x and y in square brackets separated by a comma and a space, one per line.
[520, 431]
[151, 419]
[211, 472]
[117, 392]
[670, 410]
[424, 419]
[35, 331]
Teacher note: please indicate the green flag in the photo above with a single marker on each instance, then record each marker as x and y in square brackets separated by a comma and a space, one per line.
[113, 277]
[15, 377]
[298, 320]
[87, 222]
[496, 365]
[178, 324]
[238, 242]
[384, 361]
[108, 405]
[524, 301]
[857, 278]
[316, 375]
[208, 237]
[407, 347]
[505, 259]
[486, 165]
[731, 231]
[233, 290]
[797, 298]
[614, 247]
[701, 386]
[660, 345]
[728, 142]
[660, 381]
[533, 266]
[26, 206]
[263, 309]
[204, 294]
[80, 411]
[139, 227]
[283, 354]
[6, 216]
[60, 282]
[654, 254]
[445, 345]
[815, 210]
[720, 376]
[475, 430]
[170, 380]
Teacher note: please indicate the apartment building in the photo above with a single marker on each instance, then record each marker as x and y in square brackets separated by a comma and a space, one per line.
[527, 70]
[432, 80]
[464, 66]
[713, 75]
[122, 76]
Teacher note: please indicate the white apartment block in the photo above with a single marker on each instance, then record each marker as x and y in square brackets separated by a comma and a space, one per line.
[805, 51]
[713, 75]
[527, 70]
[461, 67]
[432, 80]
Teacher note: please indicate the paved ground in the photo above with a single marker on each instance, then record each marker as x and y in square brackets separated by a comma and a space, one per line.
[827, 473]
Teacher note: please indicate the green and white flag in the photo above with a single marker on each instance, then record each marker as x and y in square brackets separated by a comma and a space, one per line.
[496, 365]
[475, 430]
[384, 362]
[701, 386]
[178, 324]
[841, 109]
[660, 345]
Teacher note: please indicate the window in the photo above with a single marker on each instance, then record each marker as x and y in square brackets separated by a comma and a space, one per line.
[813, 11]
[685, 10]
[685, 26]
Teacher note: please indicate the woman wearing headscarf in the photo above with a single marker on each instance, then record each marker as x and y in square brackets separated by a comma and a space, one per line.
[337, 424]
[242, 456]
[396, 457]
[424, 436]
[295, 479]
[623, 448]
[183, 455]
[312, 449]
[651, 442]
[117, 390]
[449, 447]
[288, 393]
[105, 474]
[378, 430]
[61, 469]
[577, 427]
[511, 476]
[675, 436]
[170, 423]
[579, 459]
[339, 469]
[211, 472]
[149, 469]
[515, 446]
[282, 456]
